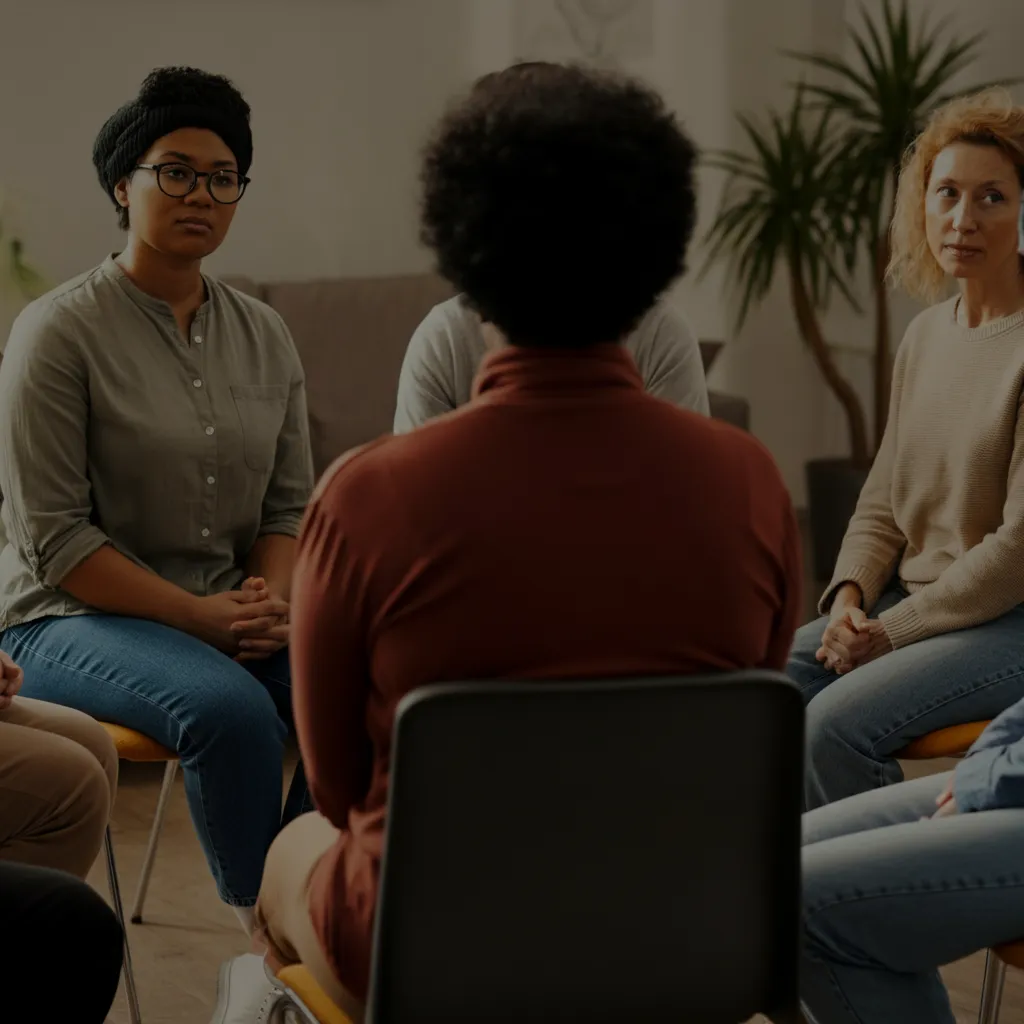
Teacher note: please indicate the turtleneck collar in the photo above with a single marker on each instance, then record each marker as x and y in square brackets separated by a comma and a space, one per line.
[517, 370]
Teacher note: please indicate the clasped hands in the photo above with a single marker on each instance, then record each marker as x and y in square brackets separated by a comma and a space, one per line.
[268, 631]
[851, 639]
[249, 624]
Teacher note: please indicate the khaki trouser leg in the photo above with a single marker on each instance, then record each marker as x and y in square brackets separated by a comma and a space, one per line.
[282, 913]
[58, 775]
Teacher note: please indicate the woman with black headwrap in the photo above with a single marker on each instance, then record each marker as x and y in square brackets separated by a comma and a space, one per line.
[155, 466]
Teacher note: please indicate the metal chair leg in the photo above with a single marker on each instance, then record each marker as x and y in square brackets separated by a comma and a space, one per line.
[154, 836]
[992, 989]
[279, 1010]
[287, 1008]
[134, 1014]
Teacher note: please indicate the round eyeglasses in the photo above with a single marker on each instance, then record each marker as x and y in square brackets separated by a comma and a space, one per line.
[177, 180]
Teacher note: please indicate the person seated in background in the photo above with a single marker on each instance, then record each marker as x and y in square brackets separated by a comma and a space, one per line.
[445, 353]
[155, 466]
[922, 622]
[563, 524]
[58, 777]
[448, 347]
[889, 897]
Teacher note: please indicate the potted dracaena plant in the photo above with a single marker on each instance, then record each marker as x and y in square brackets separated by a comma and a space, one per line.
[19, 281]
[26, 280]
[815, 194]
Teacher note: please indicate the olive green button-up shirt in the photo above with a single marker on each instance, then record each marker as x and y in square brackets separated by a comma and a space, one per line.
[116, 429]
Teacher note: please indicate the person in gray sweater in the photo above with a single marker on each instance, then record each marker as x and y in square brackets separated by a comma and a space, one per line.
[451, 342]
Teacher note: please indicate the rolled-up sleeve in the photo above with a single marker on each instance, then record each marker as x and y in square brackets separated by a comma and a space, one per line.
[291, 482]
[44, 403]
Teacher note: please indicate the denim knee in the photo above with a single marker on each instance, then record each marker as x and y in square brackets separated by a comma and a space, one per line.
[232, 711]
[840, 747]
[827, 723]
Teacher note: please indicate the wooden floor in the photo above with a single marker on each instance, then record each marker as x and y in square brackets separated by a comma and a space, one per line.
[189, 933]
[962, 982]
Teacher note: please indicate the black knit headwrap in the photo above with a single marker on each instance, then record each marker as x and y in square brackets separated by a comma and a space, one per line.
[169, 99]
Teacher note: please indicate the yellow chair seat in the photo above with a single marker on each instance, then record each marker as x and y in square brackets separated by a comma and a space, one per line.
[952, 742]
[299, 981]
[133, 746]
[1011, 953]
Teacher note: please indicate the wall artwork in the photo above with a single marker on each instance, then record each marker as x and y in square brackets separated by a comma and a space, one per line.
[605, 33]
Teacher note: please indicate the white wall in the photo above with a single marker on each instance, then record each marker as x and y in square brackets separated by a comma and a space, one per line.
[342, 93]
[766, 361]
[711, 59]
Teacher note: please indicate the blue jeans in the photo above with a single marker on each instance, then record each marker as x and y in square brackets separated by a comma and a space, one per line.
[857, 722]
[227, 722]
[888, 899]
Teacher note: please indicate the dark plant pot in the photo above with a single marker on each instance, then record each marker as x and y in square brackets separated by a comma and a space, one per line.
[833, 487]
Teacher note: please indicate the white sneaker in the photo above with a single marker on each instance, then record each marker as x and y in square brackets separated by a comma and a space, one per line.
[245, 992]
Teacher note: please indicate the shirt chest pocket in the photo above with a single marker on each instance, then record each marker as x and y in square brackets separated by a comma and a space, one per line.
[261, 410]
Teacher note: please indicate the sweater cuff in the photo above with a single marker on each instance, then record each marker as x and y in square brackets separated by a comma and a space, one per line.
[850, 572]
[972, 781]
[903, 625]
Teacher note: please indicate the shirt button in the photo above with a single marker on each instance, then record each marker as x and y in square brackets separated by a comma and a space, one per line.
[198, 339]
[209, 430]
[205, 532]
[211, 479]
[197, 383]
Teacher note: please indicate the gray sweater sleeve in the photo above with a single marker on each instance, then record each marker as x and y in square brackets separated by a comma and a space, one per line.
[425, 384]
[668, 357]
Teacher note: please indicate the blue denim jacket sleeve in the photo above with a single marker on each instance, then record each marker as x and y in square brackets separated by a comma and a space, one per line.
[992, 774]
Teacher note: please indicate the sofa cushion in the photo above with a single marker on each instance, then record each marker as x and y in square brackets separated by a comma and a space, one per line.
[731, 408]
[709, 352]
[352, 334]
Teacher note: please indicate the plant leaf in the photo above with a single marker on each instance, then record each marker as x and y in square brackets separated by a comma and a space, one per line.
[787, 202]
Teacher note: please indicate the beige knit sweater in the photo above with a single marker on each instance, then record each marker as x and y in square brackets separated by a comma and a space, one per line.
[944, 501]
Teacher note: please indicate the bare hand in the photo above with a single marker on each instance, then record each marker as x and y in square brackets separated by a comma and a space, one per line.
[11, 678]
[214, 616]
[946, 802]
[260, 638]
[261, 647]
[851, 639]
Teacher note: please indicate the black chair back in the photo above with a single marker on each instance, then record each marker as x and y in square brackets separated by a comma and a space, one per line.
[585, 852]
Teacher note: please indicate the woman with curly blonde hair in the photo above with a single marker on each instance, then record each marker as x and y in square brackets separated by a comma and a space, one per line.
[923, 619]
[926, 622]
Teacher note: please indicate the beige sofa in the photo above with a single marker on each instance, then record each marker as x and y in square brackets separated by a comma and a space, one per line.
[352, 333]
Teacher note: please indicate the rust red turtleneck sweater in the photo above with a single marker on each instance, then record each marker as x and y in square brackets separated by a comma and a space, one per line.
[563, 524]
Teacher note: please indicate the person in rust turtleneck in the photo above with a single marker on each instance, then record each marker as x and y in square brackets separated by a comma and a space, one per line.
[562, 524]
